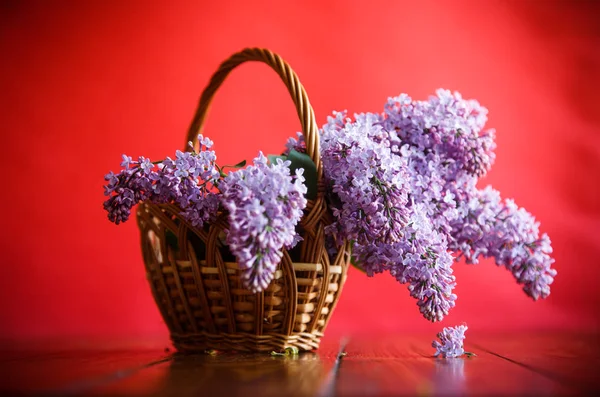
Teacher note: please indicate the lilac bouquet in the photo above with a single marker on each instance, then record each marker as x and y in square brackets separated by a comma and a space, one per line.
[401, 184]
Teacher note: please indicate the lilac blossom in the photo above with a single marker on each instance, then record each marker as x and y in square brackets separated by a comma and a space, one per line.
[366, 186]
[188, 181]
[369, 196]
[450, 342]
[420, 259]
[296, 144]
[427, 267]
[428, 186]
[196, 176]
[432, 154]
[265, 203]
[443, 174]
[125, 189]
[446, 125]
[491, 227]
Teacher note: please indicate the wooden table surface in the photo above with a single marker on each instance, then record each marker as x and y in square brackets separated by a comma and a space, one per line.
[513, 364]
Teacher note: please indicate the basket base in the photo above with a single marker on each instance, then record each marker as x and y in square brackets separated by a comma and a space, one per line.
[202, 341]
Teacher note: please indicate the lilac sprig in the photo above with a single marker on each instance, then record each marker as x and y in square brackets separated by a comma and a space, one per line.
[127, 188]
[430, 155]
[450, 342]
[491, 227]
[369, 196]
[189, 180]
[298, 144]
[421, 260]
[447, 125]
[427, 267]
[265, 203]
[367, 187]
[429, 187]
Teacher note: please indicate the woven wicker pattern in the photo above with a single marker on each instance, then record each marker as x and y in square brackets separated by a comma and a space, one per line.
[197, 286]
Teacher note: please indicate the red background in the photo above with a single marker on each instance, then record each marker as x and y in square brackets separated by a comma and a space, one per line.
[83, 82]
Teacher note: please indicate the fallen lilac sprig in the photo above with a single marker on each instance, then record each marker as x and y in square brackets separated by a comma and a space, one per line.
[450, 342]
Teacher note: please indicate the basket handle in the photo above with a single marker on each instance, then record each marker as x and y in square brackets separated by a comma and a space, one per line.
[291, 81]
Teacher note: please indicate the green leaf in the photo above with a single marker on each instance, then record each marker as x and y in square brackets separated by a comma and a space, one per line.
[303, 160]
[238, 165]
[353, 261]
[288, 351]
[357, 266]
[292, 351]
[273, 158]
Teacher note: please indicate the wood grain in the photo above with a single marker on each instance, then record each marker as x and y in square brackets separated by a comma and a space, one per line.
[571, 359]
[231, 374]
[405, 366]
[72, 372]
[519, 364]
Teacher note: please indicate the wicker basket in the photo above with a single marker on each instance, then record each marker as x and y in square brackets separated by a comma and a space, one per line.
[197, 285]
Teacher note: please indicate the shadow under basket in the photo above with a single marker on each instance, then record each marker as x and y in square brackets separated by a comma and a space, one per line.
[197, 283]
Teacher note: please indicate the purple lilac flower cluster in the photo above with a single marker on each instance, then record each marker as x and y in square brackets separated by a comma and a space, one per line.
[450, 342]
[189, 180]
[446, 125]
[368, 184]
[499, 229]
[370, 201]
[446, 160]
[402, 186]
[265, 204]
[127, 188]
